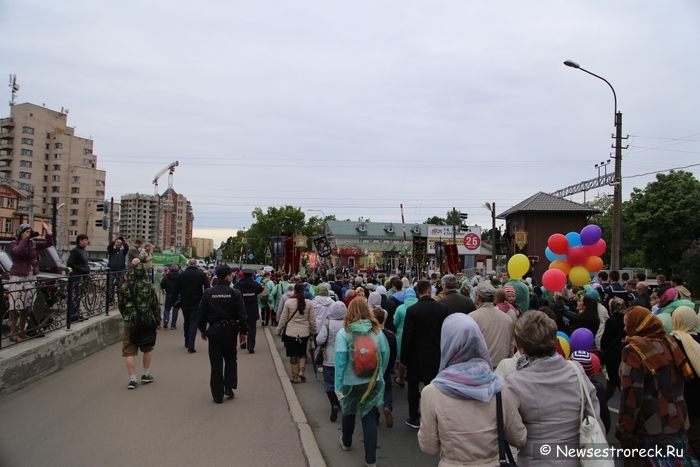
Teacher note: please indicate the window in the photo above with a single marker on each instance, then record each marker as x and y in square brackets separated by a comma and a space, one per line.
[100, 182]
[48, 134]
[75, 179]
[46, 166]
[73, 212]
[73, 223]
[55, 178]
[28, 130]
[72, 233]
[55, 189]
[57, 166]
[58, 146]
[86, 151]
[48, 146]
[11, 203]
[57, 156]
[87, 161]
[46, 179]
[75, 190]
[28, 141]
[75, 201]
[44, 190]
[8, 225]
[99, 193]
[46, 157]
[26, 152]
[25, 163]
[1, 201]
[25, 175]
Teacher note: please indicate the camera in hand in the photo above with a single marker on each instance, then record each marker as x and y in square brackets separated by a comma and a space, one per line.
[34, 234]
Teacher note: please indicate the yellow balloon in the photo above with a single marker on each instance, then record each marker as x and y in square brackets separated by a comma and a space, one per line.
[579, 276]
[565, 347]
[518, 265]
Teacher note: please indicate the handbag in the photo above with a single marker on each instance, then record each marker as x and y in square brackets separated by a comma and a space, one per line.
[505, 457]
[142, 334]
[283, 333]
[590, 432]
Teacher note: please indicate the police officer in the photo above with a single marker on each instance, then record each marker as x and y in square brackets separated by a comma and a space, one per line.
[250, 290]
[223, 310]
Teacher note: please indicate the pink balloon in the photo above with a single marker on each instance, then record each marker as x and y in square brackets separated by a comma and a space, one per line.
[576, 255]
[554, 280]
[597, 249]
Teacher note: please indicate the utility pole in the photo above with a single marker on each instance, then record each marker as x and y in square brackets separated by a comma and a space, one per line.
[111, 219]
[240, 257]
[615, 260]
[493, 236]
[454, 227]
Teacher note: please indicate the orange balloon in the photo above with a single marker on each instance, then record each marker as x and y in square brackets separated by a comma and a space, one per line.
[562, 265]
[593, 264]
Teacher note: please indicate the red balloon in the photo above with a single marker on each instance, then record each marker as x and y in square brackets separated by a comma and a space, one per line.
[558, 243]
[596, 363]
[593, 264]
[576, 255]
[597, 249]
[554, 280]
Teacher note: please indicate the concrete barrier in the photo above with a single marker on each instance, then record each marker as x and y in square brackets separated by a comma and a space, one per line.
[35, 358]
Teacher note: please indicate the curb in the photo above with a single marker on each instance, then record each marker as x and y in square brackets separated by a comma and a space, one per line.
[308, 441]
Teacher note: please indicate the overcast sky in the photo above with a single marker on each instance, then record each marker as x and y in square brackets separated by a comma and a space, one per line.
[355, 107]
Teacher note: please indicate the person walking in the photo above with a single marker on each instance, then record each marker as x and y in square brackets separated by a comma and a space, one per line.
[250, 291]
[460, 401]
[117, 250]
[494, 324]
[138, 301]
[611, 345]
[380, 315]
[420, 346]
[190, 285]
[361, 358]
[222, 315]
[298, 322]
[169, 285]
[452, 299]
[79, 272]
[326, 337]
[685, 332]
[408, 299]
[25, 267]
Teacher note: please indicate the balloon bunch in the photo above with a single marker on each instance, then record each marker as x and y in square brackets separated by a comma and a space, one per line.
[575, 255]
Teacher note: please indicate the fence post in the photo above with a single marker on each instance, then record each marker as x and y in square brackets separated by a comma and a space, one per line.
[110, 287]
[69, 299]
[2, 305]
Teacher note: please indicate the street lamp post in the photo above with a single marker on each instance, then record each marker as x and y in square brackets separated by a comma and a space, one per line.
[617, 184]
[492, 208]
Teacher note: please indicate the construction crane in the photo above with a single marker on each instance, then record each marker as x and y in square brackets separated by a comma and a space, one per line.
[171, 169]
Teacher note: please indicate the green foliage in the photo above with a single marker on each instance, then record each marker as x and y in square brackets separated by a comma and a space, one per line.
[194, 253]
[435, 220]
[660, 219]
[689, 268]
[451, 218]
[604, 220]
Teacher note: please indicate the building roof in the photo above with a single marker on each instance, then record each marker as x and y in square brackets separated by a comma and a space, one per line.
[362, 228]
[544, 202]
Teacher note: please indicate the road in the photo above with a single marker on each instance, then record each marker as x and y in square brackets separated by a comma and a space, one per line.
[84, 415]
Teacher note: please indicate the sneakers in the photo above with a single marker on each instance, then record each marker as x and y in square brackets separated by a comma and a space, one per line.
[389, 417]
[165, 324]
[173, 327]
[145, 379]
[229, 393]
[413, 423]
[370, 465]
[345, 448]
[132, 385]
[191, 351]
[334, 413]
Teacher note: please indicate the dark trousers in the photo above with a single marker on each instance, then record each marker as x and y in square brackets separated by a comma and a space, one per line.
[252, 330]
[265, 315]
[413, 396]
[114, 281]
[223, 360]
[190, 327]
[369, 433]
[77, 283]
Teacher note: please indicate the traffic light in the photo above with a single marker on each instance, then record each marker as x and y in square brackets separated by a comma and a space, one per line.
[463, 215]
[105, 223]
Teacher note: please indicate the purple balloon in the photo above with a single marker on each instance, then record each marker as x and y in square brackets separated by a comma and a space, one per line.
[591, 234]
[581, 339]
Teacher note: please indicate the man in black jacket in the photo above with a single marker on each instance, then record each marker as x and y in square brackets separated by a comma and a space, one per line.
[392, 304]
[117, 250]
[420, 346]
[80, 270]
[223, 309]
[250, 291]
[643, 298]
[190, 286]
[453, 300]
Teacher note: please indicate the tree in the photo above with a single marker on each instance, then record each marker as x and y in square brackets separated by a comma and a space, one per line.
[660, 219]
[194, 253]
[286, 220]
[435, 220]
[689, 268]
[604, 220]
[453, 218]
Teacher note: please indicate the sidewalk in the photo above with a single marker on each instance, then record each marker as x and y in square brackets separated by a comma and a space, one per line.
[84, 415]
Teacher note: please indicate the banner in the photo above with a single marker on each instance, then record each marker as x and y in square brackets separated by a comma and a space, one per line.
[452, 258]
[322, 246]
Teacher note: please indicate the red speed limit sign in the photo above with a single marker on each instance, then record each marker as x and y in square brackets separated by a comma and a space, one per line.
[472, 241]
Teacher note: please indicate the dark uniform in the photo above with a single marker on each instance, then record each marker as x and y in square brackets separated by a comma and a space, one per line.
[223, 310]
[250, 290]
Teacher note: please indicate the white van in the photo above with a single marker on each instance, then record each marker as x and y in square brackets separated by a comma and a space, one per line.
[201, 264]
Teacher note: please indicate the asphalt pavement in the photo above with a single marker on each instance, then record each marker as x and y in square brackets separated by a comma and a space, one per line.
[84, 415]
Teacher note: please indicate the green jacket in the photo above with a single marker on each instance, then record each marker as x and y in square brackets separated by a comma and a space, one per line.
[666, 312]
[138, 295]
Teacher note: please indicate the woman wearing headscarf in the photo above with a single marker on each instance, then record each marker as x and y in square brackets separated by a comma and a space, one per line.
[322, 304]
[361, 392]
[458, 408]
[409, 298]
[326, 335]
[374, 300]
[300, 321]
[653, 412]
[685, 325]
[611, 345]
[547, 391]
[669, 300]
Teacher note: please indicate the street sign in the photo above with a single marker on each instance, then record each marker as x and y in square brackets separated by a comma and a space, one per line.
[250, 256]
[472, 241]
[219, 256]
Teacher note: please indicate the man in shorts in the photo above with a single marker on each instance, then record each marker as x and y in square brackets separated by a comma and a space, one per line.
[137, 297]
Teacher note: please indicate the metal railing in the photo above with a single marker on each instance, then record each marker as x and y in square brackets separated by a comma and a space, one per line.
[31, 309]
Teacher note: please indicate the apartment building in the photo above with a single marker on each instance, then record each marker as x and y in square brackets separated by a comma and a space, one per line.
[203, 246]
[38, 147]
[138, 218]
[177, 219]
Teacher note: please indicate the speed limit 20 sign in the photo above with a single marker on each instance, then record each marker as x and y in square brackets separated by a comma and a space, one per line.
[472, 241]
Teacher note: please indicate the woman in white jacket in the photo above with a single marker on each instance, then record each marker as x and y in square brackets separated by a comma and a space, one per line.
[322, 304]
[327, 332]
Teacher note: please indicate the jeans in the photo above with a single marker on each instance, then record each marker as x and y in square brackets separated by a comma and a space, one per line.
[169, 300]
[77, 284]
[114, 281]
[369, 432]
